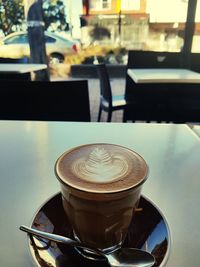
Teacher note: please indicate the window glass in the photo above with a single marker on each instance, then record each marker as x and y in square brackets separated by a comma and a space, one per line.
[49, 39]
[100, 4]
[105, 4]
[130, 4]
[196, 37]
[166, 25]
[95, 4]
[153, 25]
[18, 39]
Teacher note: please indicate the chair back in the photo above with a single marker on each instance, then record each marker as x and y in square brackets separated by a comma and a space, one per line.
[105, 87]
[195, 62]
[44, 100]
[152, 59]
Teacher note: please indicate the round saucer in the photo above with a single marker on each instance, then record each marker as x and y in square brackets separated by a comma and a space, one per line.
[148, 231]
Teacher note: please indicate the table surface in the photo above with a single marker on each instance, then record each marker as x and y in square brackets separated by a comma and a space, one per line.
[164, 76]
[20, 68]
[28, 154]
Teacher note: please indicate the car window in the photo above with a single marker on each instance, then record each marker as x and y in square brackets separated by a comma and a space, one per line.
[18, 39]
[49, 39]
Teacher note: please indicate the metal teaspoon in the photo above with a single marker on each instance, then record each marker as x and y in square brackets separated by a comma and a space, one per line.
[130, 257]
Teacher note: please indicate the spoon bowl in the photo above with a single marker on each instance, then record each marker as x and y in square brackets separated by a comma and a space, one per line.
[130, 257]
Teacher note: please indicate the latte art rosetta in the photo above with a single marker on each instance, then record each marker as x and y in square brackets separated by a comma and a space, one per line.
[100, 166]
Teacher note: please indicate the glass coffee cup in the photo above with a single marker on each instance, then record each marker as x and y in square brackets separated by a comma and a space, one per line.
[101, 187]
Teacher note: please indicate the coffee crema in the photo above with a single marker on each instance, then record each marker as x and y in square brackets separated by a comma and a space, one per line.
[101, 168]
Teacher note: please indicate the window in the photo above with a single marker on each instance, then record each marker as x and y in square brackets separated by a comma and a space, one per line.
[196, 37]
[49, 39]
[18, 39]
[154, 25]
[130, 4]
[106, 4]
[100, 4]
[166, 25]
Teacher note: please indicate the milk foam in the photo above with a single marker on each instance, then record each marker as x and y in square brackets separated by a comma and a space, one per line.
[100, 166]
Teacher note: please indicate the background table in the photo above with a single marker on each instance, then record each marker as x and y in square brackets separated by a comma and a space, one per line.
[28, 154]
[19, 71]
[163, 95]
[164, 76]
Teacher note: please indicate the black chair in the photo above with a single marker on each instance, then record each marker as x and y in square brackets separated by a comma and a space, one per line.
[195, 62]
[152, 59]
[44, 100]
[108, 102]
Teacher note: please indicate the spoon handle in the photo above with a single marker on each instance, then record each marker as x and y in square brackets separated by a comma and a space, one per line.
[49, 236]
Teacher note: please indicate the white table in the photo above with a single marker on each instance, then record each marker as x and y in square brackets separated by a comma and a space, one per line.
[164, 76]
[17, 71]
[21, 68]
[28, 154]
[163, 95]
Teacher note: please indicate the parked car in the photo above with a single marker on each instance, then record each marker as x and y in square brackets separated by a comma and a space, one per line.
[15, 45]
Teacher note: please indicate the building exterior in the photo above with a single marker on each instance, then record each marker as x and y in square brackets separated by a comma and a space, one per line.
[138, 24]
[120, 22]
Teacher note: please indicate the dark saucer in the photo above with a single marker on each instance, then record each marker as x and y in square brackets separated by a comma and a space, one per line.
[148, 231]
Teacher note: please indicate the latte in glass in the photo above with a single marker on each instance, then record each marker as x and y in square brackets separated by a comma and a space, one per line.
[101, 186]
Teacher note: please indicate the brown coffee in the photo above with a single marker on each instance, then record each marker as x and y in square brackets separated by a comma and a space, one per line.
[101, 186]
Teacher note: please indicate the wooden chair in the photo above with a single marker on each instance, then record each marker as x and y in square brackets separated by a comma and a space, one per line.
[45, 101]
[108, 102]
